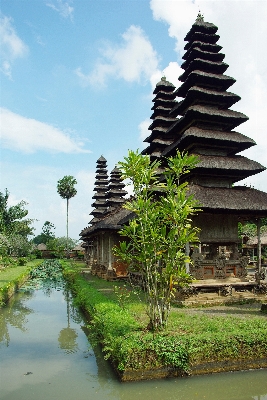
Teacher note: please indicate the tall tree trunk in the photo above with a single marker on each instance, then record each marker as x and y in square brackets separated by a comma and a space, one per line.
[67, 228]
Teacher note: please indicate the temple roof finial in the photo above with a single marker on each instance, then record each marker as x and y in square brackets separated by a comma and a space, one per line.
[200, 17]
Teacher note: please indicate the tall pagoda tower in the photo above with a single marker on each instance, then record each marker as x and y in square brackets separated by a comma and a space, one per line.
[101, 188]
[164, 102]
[205, 126]
[116, 192]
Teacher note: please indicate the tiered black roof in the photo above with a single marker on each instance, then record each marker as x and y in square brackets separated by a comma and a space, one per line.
[164, 101]
[205, 122]
[116, 190]
[101, 188]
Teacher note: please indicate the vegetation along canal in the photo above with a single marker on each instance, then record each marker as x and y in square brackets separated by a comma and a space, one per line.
[45, 354]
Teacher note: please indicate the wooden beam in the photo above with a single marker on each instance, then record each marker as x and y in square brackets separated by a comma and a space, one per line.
[259, 245]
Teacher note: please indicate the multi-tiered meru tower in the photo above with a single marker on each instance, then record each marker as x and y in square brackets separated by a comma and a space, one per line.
[101, 188]
[116, 192]
[164, 101]
[204, 125]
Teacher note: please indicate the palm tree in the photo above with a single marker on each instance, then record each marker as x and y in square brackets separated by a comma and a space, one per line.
[66, 190]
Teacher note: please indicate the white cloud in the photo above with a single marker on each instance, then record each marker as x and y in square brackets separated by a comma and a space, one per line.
[63, 8]
[179, 15]
[133, 60]
[143, 130]
[171, 73]
[11, 46]
[29, 135]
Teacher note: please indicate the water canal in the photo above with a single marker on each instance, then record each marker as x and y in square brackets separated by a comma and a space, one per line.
[45, 354]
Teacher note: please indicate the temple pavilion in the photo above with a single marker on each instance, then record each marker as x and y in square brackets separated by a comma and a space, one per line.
[196, 118]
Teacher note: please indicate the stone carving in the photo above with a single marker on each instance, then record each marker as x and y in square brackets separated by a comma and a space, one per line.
[220, 262]
[187, 291]
[260, 276]
[226, 290]
[242, 270]
[261, 288]
[196, 268]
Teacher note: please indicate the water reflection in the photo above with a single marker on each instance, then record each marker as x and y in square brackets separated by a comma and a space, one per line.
[15, 315]
[67, 336]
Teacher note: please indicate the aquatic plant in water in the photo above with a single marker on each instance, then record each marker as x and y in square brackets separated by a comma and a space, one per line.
[46, 276]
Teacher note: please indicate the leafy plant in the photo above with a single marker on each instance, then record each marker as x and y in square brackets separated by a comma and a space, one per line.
[162, 226]
[123, 294]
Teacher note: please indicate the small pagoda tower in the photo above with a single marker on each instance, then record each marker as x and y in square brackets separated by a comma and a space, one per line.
[101, 188]
[116, 192]
[164, 101]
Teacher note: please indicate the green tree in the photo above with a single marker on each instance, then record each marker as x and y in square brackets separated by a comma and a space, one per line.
[12, 219]
[157, 236]
[14, 228]
[46, 234]
[59, 246]
[249, 229]
[66, 190]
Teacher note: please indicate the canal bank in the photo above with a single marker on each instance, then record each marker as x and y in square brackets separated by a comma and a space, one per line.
[12, 278]
[194, 343]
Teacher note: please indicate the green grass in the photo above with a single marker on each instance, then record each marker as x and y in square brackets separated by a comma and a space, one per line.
[192, 337]
[12, 277]
[10, 273]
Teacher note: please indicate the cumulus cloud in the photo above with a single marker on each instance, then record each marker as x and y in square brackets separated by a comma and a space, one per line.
[63, 8]
[11, 46]
[171, 73]
[29, 135]
[133, 60]
[179, 15]
[143, 130]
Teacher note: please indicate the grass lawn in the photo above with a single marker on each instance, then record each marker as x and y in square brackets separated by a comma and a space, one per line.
[12, 277]
[11, 273]
[220, 338]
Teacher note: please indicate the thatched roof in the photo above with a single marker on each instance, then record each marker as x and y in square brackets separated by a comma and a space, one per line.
[231, 141]
[113, 221]
[254, 240]
[161, 120]
[239, 200]
[202, 45]
[199, 78]
[215, 67]
[201, 26]
[203, 53]
[209, 116]
[41, 246]
[164, 85]
[78, 247]
[235, 163]
[196, 94]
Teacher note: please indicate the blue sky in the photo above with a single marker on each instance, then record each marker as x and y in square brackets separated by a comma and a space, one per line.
[77, 80]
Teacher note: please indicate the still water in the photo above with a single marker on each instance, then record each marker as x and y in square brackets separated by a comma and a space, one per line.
[45, 355]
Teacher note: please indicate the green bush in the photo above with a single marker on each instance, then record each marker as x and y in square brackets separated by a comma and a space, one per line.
[22, 261]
